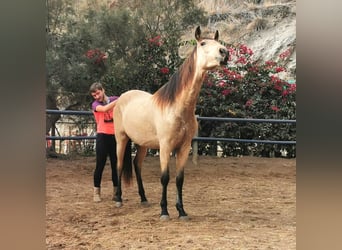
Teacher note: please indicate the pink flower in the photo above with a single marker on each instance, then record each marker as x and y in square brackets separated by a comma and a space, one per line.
[245, 50]
[241, 60]
[90, 54]
[249, 103]
[221, 84]
[155, 41]
[285, 92]
[232, 75]
[275, 108]
[275, 79]
[270, 64]
[254, 69]
[279, 69]
[231, 51]
[101, 57]
[164, 70]
[278, 84]
[97, 55]
[285, 54]
[292, 88]
[226, 92]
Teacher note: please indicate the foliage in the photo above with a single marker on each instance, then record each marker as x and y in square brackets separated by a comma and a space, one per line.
[153, 57]
[110, 45]
[135, 46]
[103, 44]
[65, 73]
[162, 63]
[248, 89]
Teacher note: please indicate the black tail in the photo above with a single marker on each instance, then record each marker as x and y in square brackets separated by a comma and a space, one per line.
[127, 167]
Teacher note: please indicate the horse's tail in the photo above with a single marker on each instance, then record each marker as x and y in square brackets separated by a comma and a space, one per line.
[127, 167]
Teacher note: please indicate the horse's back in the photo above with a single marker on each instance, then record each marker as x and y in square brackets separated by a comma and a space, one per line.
[130, 101]
[132, 95]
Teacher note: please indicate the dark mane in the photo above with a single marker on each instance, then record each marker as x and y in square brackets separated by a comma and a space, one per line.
[167, 94]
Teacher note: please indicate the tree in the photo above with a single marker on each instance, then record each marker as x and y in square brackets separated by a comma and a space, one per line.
[111, 45]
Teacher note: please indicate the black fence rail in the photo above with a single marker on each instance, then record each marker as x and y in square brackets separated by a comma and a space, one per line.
[69, 112]
[222, 119]
[196, 138]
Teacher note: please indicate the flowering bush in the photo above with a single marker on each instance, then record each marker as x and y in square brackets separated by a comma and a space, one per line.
[157, 62]
[247, 89]
[96, 60]
[96, 56]
[244, 89]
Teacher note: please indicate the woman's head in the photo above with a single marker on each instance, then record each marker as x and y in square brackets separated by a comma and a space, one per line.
[97, 91]
[95, 86]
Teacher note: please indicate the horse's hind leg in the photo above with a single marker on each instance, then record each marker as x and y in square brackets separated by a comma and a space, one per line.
[121, 142]
[138, 160]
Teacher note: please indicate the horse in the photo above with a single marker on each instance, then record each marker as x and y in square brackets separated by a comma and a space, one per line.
[165, 120]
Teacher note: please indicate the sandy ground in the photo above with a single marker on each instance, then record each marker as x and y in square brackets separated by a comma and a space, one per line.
[233, 203]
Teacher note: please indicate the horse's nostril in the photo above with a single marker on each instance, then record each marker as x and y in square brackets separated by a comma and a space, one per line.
[223, 51]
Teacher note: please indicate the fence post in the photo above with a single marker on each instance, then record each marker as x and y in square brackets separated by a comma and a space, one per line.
[195, 148]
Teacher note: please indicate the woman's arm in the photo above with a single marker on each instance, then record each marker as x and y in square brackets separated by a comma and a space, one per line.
[105, 108]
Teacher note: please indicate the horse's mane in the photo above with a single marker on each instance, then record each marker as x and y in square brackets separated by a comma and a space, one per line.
[167, 94]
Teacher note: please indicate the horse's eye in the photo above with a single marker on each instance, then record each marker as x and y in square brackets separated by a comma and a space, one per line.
[202, 43]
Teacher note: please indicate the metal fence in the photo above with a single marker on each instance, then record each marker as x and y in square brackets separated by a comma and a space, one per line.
[196, 138]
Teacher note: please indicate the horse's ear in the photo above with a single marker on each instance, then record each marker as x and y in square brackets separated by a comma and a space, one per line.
[198, 33]
[216, 35]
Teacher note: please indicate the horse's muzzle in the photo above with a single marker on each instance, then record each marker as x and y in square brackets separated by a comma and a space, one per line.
[225, 54]
[224, 61]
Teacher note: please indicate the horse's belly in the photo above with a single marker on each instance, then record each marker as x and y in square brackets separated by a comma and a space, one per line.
[142, 133]
[144, 141]
[139, 125]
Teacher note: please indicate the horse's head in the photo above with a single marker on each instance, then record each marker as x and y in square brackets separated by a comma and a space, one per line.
[210, 52]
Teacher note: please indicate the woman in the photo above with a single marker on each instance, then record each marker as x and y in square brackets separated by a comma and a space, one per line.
[102, 108]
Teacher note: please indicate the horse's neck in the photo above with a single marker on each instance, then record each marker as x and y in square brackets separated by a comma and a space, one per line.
[188, 99]
[181, 92]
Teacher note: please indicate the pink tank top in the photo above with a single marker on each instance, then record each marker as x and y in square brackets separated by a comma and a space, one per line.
[104, 120]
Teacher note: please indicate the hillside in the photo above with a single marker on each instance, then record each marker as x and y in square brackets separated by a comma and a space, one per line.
[267, 27]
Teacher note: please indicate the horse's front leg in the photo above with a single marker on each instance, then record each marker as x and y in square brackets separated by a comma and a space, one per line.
[164, 179]
[179, 202]
[181, 158]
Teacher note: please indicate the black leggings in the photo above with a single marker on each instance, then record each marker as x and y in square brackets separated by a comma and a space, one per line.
[106, 145]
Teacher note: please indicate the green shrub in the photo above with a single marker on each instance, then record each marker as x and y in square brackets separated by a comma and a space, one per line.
[248, 89]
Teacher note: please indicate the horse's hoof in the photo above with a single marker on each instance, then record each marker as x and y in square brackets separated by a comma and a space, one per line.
[118, 204]
[164, 217]
[145, 204]
[184, 218]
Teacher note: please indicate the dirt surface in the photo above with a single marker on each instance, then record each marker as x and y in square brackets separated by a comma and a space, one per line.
[233, 203]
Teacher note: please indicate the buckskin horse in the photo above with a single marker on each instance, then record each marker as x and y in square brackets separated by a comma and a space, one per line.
[165, 120]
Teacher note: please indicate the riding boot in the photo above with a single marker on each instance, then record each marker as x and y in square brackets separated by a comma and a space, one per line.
[114, 192]
[97, 194]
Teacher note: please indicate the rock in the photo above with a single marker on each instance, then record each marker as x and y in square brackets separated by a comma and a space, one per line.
[268, 28]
